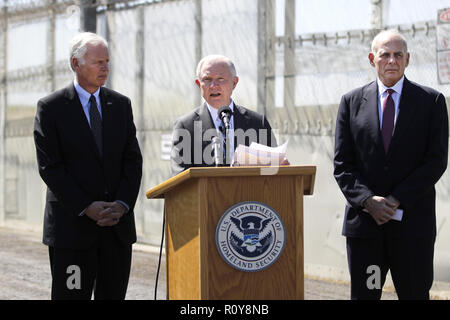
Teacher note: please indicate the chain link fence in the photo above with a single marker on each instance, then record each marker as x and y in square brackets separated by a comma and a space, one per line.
[295, 78]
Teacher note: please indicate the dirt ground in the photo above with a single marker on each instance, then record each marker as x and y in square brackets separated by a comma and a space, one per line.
[25, 273]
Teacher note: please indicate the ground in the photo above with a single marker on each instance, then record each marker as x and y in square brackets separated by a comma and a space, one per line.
[25, 273]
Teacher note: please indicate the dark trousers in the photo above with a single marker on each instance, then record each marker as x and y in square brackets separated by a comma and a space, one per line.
[103, 269]
[410, 261]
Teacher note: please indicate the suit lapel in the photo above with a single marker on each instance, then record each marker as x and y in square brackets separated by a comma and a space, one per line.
[204, 120]
[107, 119]
[369, 111]
[205, 117]
[405, 114]
[241, 119]
[78, 118]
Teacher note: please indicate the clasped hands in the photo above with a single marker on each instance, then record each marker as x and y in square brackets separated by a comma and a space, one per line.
[106, 214]
[381, 208]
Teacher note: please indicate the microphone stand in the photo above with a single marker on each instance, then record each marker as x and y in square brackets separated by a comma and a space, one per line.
[225, 115]
[217, 147]
[225, 133]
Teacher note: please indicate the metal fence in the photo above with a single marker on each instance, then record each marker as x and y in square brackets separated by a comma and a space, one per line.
[296, 79]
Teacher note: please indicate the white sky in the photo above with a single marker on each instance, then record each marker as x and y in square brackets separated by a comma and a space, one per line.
[339, 15]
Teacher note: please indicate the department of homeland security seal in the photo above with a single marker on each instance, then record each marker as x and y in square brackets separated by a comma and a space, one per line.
[250, 236]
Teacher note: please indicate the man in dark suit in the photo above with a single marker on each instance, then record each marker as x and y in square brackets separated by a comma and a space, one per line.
[90, 160]
[193, 132]
[391, 147]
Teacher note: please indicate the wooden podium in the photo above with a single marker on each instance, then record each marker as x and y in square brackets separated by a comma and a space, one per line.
[195, 201]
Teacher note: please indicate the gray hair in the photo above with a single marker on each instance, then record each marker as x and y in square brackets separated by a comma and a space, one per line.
[393, 32]
[78, 46]
[218, 58]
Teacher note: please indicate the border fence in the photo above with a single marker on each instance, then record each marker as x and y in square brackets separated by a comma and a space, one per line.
[295, 78]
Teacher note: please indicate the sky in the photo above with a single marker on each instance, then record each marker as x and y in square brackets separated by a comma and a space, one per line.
[339, 15]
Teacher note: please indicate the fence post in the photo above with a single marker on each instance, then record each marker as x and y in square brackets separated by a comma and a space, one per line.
[376, 19]
[51, 40]
[289, 54]
[266, 34]
[261, 58]
[3, 100]
[109, 34]
[139, 104]
[88, 17]
[198, 14]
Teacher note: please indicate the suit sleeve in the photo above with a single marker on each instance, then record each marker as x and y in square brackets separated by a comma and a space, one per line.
[179, 153]
[51, 164]
[434, 162]
[346, 172]
[130, 180]
[272, 142]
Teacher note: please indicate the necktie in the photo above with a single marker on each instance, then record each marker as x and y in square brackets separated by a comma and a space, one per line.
[226, 148]
[388, 120]
[96, 123]
[224, 144]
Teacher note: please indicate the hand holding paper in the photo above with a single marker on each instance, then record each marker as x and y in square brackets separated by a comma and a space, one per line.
[383, 209]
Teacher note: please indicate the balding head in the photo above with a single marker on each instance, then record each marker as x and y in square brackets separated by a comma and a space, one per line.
[389, 56]
[386, 35]
[216, 58]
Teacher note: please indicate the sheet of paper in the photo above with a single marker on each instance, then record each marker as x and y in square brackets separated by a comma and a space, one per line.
[261, 147]
[259, 155]
[398, 215]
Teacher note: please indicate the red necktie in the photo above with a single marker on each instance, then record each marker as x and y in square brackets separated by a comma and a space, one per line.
[388, 119]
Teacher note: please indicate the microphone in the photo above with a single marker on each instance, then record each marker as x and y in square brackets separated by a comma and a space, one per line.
[216, 149]
[225, 114]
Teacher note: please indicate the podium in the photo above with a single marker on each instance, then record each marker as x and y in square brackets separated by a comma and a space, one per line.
[195, 203]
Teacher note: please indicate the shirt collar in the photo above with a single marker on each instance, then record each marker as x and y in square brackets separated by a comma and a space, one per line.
[83, 94]
[396, 87]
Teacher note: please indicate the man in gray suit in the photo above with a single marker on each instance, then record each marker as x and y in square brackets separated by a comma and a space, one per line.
[193, 132]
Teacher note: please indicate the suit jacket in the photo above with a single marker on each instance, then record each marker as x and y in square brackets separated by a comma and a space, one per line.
[416, 159]
[76, 174]
[193, 132]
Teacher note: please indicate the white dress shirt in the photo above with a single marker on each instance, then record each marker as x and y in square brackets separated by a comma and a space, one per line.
[382, 95]
[218, 123]
[84, 99]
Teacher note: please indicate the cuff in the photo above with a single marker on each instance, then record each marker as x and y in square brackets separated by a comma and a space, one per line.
[124, 204]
